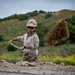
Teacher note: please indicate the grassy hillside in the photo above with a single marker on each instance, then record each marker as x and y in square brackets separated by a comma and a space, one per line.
[14, 27]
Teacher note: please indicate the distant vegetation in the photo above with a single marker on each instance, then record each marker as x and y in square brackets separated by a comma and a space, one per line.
[71, 27]
[48, 15]
[22, 16]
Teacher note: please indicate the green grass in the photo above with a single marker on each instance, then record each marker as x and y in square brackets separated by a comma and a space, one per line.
[69, 60]
[12, 57]
[58, 54]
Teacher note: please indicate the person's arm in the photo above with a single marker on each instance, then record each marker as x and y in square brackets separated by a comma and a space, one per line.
[35, 44]
[19, 38]
[14, 39]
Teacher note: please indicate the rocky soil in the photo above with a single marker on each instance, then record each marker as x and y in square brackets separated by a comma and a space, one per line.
[35, 68]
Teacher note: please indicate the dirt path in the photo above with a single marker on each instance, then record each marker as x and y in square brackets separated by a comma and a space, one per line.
[51, 73]
[9, 73]
[34, 68]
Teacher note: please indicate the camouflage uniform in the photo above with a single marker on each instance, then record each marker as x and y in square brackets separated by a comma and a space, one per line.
[31, 44]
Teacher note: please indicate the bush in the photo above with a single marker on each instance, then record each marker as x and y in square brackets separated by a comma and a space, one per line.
[41, 31]
[71, 20]
[71, 27]
[41, 11]
[1, 38]
[1, 19]
[32, 14]
[48, 15]
[22, 17]
[11, 48]
[15, 16]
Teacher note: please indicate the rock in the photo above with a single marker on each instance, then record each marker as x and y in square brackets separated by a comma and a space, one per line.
[3, 63]
[62, 64]
[22, 63]
[32, 63]
[50, 63]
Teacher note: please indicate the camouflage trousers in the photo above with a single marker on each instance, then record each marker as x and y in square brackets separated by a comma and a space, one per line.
[30, 57]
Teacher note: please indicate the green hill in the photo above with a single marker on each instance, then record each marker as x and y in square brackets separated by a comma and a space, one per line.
[15, 25]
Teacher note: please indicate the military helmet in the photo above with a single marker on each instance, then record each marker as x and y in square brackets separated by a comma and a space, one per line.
[32, 23]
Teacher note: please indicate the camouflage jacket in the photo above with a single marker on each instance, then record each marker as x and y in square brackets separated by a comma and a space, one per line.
[29, 41]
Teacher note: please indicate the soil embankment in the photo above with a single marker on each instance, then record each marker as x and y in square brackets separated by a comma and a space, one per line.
[34, 68]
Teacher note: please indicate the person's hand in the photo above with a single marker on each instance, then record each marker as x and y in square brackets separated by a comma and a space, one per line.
[10, 42]
[32, 46]
[21, 48]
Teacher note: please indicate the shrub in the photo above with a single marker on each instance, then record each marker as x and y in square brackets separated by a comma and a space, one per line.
[11, 48]
[1, 38]
[22, 17]
[48, 15]
[71, 20]
[1, 19]
[41, 11]
[32, 14]
[41, 31]
[71, 27]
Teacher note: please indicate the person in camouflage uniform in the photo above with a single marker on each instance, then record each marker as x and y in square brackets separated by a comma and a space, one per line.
[31, 42]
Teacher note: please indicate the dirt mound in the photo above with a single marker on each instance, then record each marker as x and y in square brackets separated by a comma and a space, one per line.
[36, 68]
[57, 33]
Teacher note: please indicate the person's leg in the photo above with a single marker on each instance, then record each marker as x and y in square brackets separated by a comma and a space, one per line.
[26, 56]
[33, 58]
[30, 57]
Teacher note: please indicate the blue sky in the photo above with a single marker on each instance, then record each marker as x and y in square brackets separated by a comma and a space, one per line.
[10, 7]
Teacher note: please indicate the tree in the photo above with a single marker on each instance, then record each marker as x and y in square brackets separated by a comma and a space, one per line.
[71, 27]
[71, 20]
[48, 15]
[15, 16]
[22, 17]
[41, 11]
[32, 14]
[41, 31]
[72, 33]
[1, 19]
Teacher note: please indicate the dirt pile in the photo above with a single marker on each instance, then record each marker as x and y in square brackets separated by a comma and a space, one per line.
[36, 68]
[57, 33]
